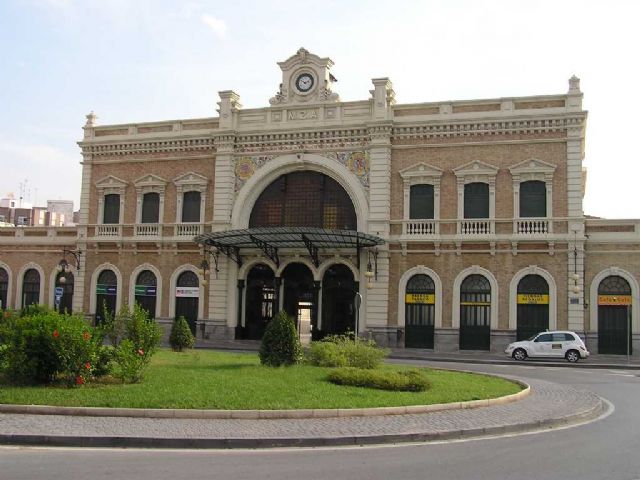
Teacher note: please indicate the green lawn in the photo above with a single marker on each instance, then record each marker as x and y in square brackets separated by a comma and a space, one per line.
[217, 380]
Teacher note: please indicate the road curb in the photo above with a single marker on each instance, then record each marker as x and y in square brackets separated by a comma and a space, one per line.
[254, 443]
[264, 414]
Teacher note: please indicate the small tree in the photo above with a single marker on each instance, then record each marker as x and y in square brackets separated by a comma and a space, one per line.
[280, 343]
[181, 336]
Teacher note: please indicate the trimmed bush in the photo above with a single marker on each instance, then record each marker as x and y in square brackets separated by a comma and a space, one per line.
[280, 343]
[114, 327]
[181, 336]
[346, 351]
[399, 381]
[48, 346]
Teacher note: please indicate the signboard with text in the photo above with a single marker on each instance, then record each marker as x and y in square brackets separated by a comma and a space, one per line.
[614, 300]
[189, 292]
[429, 298]
[533, 299]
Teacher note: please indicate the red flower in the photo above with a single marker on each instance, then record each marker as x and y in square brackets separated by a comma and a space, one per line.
[86, 336]
[56, 334]
[141, 352]
[79, 380]
[87, 365]
[6, 314]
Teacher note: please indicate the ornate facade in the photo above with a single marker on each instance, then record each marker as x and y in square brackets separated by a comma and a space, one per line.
[479, 204]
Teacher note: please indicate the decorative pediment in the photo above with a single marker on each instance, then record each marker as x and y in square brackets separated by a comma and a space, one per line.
[421, 173]
[111, 184]
[532, 169]
[305, 78]
[191, 181]
[150, 183]
[475, 171]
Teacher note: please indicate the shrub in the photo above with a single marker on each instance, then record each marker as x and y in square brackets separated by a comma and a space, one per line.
[280, 343]
[181, 336]
[103, 360]
[133, 354]
[46, 346]
[346, 351]
[400, 381]
[114, 327]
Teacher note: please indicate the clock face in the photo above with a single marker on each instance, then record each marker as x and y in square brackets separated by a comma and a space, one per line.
[304, 82]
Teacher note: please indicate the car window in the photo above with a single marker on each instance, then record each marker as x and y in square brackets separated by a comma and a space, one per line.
[561, 337]
[569, 338]
[545, 337]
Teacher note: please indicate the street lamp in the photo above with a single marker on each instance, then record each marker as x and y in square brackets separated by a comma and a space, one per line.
[205, 267]
[372, 270]
[64, 267]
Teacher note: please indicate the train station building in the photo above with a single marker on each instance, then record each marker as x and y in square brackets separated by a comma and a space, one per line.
[450, 226]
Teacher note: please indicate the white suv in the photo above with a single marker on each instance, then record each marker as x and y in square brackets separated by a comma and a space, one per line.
[558, 344]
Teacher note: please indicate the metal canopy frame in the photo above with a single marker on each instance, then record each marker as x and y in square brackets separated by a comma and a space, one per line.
[271, 239]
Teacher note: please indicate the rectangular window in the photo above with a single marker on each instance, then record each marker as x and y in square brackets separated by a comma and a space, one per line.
[533, 199]
[191, 207]
[476, 200]
[111, 213]
[150, 208]
[421, 201]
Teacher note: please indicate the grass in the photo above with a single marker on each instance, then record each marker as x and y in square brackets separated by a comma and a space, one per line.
[216, 380]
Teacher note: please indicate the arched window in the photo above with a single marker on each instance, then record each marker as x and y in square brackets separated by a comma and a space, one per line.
[304, 199]
[106, 295]
[533, 199]
[421, 202]
[111, 212]
[4, 288]
[476, 200]
[150, 207]
[145, 291]
[187, 298]
[420, 312]
[31, 288]
[191, 207]
[475, 313]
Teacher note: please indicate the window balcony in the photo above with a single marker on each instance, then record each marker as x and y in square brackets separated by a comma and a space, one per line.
[532, 226]
[188, 229]
[147, 230]
[108, 231]
[476, 226]
[420, 228]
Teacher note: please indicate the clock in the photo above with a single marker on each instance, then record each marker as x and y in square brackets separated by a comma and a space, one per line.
[304, 82]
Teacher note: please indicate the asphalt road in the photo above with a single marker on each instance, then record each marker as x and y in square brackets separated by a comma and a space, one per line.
[607, 449]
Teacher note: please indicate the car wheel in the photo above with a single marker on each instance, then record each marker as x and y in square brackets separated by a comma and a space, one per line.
[519, 354]
[572, 356]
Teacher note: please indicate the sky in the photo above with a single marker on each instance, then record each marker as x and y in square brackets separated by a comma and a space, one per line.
[150, 60]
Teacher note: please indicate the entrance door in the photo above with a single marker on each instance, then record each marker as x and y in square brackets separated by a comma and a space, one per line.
[145, 292]
[338, 309]
[260, 301]
[187, 298]
[475, 313]
[533, 306]
[299, 294]
[419, 317]
[106, 295]
[614, 316]
[66, 302]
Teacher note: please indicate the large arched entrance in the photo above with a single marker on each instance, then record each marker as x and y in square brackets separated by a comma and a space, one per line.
[187, 298]
[475, 313]
[420, 299]
[260, 301]
[338, 302]
[614, 316]
[533, 306]
[106, 295]
[300, 296]
[146, 291]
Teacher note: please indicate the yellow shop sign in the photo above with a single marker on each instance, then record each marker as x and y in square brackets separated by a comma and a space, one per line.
[614, 299]
[533, 299]
[429, 298]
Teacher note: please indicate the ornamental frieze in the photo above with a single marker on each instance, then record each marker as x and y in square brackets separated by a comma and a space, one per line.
[357, 162]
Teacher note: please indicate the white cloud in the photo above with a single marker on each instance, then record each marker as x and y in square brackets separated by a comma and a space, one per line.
[218, 26]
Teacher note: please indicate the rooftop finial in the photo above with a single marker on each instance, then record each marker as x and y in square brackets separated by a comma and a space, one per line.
[91, 119]
[574, 84]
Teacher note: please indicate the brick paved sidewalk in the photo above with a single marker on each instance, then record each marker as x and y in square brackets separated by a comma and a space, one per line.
[549, 405]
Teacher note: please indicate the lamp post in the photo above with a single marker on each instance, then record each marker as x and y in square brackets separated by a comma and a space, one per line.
[372, 270]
